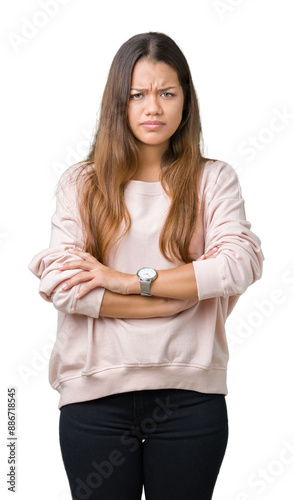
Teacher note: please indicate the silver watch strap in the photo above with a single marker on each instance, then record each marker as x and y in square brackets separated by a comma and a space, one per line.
[145, 288]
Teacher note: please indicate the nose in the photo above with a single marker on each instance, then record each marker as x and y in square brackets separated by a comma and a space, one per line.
[153, 106]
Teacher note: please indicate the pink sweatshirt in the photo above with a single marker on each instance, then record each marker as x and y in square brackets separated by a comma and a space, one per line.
[95, 356]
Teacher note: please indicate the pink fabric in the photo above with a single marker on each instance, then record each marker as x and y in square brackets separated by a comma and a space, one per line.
[95, 356]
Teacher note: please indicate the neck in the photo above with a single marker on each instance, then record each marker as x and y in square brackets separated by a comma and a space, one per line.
[150, 156]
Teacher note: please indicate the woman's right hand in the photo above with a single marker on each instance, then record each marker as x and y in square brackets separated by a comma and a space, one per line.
[177, 306]
[211, 254]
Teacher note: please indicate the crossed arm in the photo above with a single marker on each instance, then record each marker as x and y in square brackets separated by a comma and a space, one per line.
[117, 294]
[173, 291]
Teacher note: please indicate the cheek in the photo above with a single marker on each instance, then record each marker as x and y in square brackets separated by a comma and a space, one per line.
[177, 117]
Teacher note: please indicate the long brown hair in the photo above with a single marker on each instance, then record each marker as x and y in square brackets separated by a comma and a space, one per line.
[114, 158]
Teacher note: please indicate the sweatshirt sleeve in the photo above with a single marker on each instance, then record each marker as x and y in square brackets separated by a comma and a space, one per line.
[66, 233]
[239, 263]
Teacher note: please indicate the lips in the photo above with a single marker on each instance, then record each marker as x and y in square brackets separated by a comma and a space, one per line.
[152, 124]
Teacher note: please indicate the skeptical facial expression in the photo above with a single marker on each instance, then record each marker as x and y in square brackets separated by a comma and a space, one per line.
[156, 102]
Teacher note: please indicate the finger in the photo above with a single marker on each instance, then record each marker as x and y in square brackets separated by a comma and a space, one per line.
[86, 289]
[76, 280]
[212, 253]
[76, 264]
[83, 255]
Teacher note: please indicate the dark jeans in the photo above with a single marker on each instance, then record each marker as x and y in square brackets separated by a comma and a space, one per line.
[171, 441]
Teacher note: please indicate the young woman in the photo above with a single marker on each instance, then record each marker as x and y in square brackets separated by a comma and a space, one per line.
[150, 250]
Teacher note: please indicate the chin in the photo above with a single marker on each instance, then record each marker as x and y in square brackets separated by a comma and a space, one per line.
[154, 141]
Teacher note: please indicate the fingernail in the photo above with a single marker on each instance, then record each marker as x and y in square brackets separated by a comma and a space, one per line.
[215, 249]
[77, 296]
[64, 286]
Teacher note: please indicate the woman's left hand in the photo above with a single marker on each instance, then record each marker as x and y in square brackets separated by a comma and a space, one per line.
[95, 275]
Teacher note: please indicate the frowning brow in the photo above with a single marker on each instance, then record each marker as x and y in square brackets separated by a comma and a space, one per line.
[160, 90]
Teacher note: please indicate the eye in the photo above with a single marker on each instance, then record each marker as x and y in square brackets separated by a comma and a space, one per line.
[135, 97]
[168, 95]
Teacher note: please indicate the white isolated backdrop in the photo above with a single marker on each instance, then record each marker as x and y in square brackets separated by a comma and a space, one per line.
[56, 55]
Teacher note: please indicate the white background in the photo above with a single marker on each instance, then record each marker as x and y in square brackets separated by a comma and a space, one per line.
[54, 70]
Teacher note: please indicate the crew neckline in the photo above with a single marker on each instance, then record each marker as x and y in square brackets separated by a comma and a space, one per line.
[144, 187]
[149, 188]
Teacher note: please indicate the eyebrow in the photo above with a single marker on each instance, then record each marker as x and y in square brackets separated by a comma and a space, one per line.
[161, 90]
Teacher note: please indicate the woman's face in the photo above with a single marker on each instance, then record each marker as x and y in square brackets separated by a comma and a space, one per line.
[156, 102]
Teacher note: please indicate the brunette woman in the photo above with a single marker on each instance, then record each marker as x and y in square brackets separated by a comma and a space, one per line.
[150, 250]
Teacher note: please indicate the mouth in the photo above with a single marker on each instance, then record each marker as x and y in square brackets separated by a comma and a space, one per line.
[152, 125]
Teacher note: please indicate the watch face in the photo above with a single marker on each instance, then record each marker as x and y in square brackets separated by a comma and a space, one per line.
[147, 273]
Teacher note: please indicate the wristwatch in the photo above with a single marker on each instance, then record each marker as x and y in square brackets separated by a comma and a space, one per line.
[146, 275]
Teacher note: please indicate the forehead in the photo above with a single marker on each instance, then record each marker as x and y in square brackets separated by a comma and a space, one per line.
[149, 73]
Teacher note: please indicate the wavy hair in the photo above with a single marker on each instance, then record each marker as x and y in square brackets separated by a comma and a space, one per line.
[114, 156]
